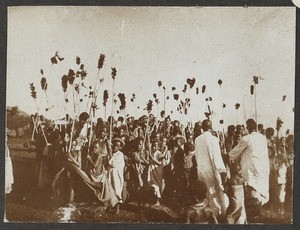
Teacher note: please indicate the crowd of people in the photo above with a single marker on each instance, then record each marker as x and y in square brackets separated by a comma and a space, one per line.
[212, 176]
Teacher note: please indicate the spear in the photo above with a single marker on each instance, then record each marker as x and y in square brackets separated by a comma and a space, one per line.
[255, 104]
[164, 110]
[34, 121]
[100, 65]
[237, 106]
[94, 98]
[255, 81]
[149, 109]
[220, 82]
[73, 123]
[244, 108]
[34, 96]
[283, 109]
[126, 123]
[105, 97]
[113, 75]
[44, 135]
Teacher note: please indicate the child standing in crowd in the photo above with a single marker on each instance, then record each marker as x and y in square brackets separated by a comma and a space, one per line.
[200, 212]
[235, 213]
[281, 166]
[188, 161]
[179, 175]
[156, 170]
[140, 159]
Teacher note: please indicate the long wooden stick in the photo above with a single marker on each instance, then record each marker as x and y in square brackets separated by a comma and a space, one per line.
[73, 124]
[147, 129]
[126, 124]
[164, 111]
[90, 136]
[244, 108]
[34, 130]
[255, 105]
[44, 135]
[111, 114]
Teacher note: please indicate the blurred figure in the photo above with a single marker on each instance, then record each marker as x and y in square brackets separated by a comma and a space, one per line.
[260, 129]
[201, 212]
[9, 176]
[229, 138]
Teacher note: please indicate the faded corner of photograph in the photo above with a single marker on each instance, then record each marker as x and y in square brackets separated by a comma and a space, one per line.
[150, 115]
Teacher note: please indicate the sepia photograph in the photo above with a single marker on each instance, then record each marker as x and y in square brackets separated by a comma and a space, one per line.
[150, 114]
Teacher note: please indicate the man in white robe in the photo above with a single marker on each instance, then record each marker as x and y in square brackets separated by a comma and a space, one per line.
[211, 168]
[253, 151]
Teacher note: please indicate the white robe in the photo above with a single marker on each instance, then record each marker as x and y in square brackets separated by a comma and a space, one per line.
[209, 165]
[254, 163]
[116, 173]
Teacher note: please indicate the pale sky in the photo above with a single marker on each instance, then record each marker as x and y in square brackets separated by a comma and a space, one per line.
[148, 44]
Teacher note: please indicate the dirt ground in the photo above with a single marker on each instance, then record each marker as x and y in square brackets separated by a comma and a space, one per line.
[27, 203]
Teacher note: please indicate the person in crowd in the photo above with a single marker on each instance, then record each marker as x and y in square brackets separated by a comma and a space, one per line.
[188, 161]
[211, 168]
[57, 157]
[197, 129]
[168, 127]
[140, 161]
[272, 154]
[290, 171]
[166, 160]
[179, 176]
[74, 157]
[201, 212]
[229, 138]
[168, 172]
[255, 169]
[116, 165]
[190, 139]
[188, 165]
[176, 133]
[102, 140]
[95, 162]
[235, 213]
[156, 170]
[281, 168]
[260, 129]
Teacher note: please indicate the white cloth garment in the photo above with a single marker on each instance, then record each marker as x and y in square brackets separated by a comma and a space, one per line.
[254, 163]
[209, 165]
[116, 172]
[9, 177]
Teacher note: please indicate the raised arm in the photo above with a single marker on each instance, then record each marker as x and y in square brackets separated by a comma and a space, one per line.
[237, 150]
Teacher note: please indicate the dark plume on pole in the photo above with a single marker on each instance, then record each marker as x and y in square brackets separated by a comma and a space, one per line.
[101, 61]
[113, 73]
